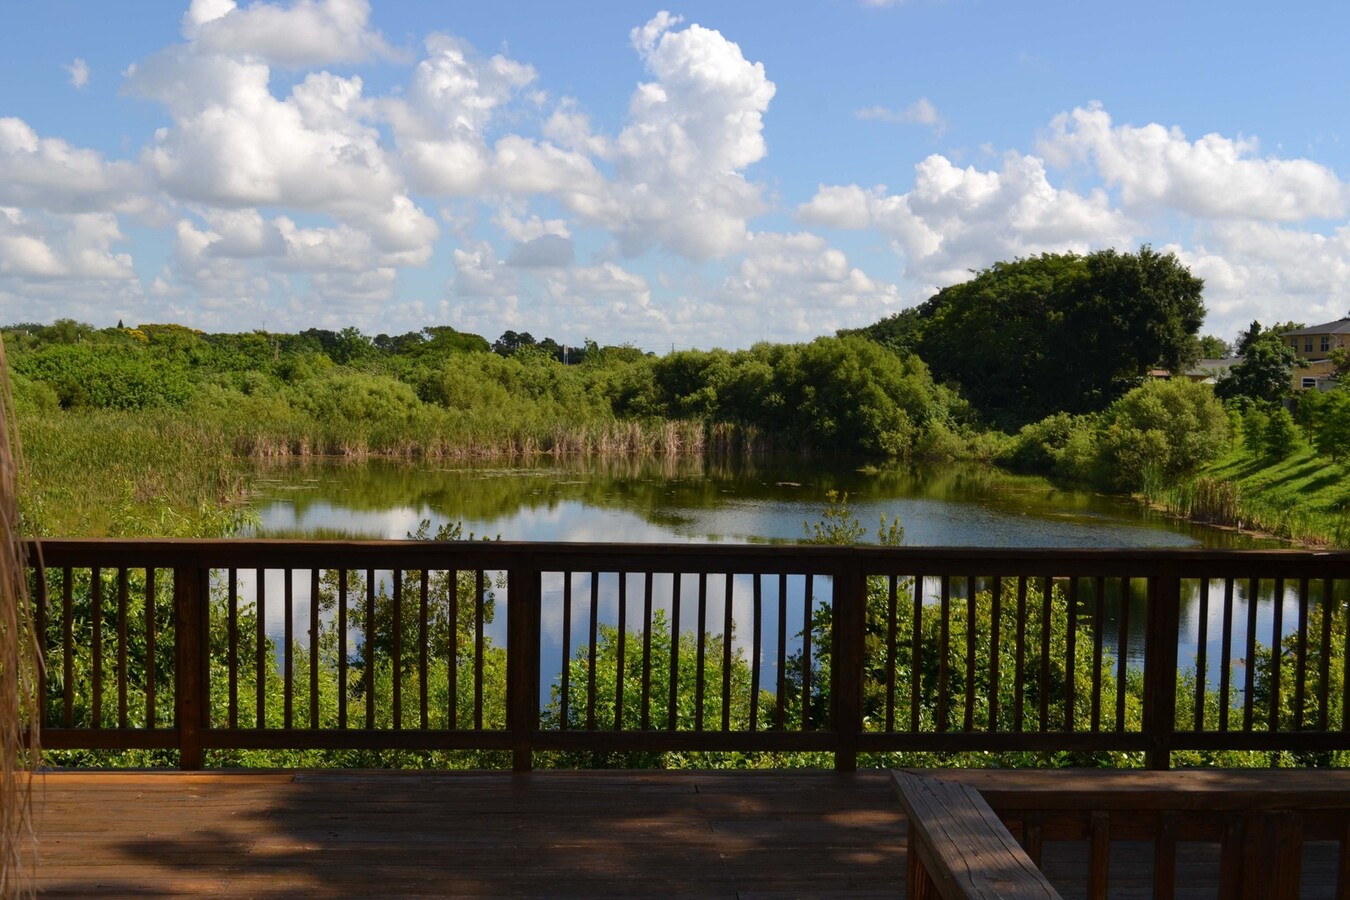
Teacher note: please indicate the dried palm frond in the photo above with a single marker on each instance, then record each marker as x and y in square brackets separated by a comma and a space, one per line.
[20, 663]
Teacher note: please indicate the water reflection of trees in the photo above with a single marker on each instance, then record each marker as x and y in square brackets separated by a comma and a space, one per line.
[658, 489]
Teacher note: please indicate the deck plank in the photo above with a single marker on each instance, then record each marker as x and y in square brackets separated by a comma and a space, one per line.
[747, 835]
[544, 834]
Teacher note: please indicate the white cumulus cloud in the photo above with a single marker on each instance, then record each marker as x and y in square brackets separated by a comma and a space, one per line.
[51, 174]
[1215, 177]
[76, 246]
[690, 135]
[920, 112]
[78, 72]
[303, 34]
[957, 219]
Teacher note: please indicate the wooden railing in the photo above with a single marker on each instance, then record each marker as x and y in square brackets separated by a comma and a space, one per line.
[606, 648]
[1214, 832]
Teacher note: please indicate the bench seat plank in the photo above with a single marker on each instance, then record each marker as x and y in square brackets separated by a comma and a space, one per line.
[959, 843]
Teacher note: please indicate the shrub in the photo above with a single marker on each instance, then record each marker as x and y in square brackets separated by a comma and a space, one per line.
[1169, 428]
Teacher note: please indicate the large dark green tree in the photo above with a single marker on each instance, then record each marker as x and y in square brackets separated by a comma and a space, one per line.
[1055, 332]
[1265, 374]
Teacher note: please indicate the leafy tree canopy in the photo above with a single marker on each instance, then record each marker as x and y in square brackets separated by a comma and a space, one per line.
[1264, 374]
[1055, 332]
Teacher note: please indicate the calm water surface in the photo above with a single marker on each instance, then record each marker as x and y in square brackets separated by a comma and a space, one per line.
[695, 501]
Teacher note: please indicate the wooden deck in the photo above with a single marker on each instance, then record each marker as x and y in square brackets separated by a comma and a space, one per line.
[543, 834]
[587, 834]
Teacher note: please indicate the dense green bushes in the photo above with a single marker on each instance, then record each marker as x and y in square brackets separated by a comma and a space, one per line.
[1161, 431]
[323, 392]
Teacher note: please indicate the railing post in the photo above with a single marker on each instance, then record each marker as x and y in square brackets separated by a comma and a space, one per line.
[191, 589]
[522, 663]
[1160, 665]
[846, 662]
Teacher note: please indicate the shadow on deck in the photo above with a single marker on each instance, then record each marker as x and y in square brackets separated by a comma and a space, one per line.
[543, 834]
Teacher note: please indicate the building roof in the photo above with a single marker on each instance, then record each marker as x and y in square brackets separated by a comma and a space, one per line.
[1340, 326]
[1213, 366]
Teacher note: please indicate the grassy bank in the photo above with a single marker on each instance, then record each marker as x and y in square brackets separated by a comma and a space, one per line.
[1303, 497]
[102, 471]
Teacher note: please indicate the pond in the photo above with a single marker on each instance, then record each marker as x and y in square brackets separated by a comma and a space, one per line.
[655, 500]
[694, 500]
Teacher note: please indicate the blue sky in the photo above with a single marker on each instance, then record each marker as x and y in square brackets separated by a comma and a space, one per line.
[702, 175]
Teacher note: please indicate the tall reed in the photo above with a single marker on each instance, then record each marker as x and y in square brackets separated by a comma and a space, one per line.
[20, 664]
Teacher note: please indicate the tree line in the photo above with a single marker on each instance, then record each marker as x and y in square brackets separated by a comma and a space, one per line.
[1040, 364]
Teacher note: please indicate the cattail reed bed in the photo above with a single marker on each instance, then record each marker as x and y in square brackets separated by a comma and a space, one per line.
[1224, 504]
[99, 471]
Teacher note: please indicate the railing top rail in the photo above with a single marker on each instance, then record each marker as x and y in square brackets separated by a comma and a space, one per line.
[805, 558]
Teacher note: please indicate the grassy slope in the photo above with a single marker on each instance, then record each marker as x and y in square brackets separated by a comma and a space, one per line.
[1305, 496]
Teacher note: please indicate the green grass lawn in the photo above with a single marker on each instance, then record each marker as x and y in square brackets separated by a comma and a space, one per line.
[1305, 497]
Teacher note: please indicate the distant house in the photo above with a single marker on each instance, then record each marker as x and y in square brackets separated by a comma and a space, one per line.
[1313, 346]
[1210, 371]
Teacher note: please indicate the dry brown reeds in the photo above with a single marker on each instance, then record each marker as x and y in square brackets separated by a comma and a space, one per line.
[19, 666]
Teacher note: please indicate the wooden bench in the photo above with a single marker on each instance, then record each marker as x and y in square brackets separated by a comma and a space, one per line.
[1264, 834]
[958, 846]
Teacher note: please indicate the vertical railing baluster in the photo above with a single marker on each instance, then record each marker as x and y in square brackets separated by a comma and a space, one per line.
[1098, 637]
[1276, 651]
[260, 656]
[288, 661]
[1300, 672]
[782, 698]
[1160, 666]
[314, 590]
[757, 645]
[892, 613]
[368, 650]
[96, 598]
[40, 601]
[970, 654]
[1123, 652]
[479, 600]
[342, 649]
[565, 694]
[1071, 651]
[672, 706]
[592, 650]
[150, 716]
[699, 654]
[916, 657]
[1226, 655]
[849, 626]
[646, 651]
[232, 635]
[1201, 669]
[191, 588]
[1047, 619]
[396, 664]
[621, 657]
[523, 622]
[67, 648]
[1345, 672]
[944, 649]
[452, 654]
[995, 650]
[1249, 663]
[424, 640]
[727, 624]
[122, 674]
[1020, 658]
[1324, 661]
[808, 601]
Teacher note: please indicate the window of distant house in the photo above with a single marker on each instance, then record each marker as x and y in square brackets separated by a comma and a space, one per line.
[1309, 383]
[1307, 344]
[1326, 342]
[1293, 342]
